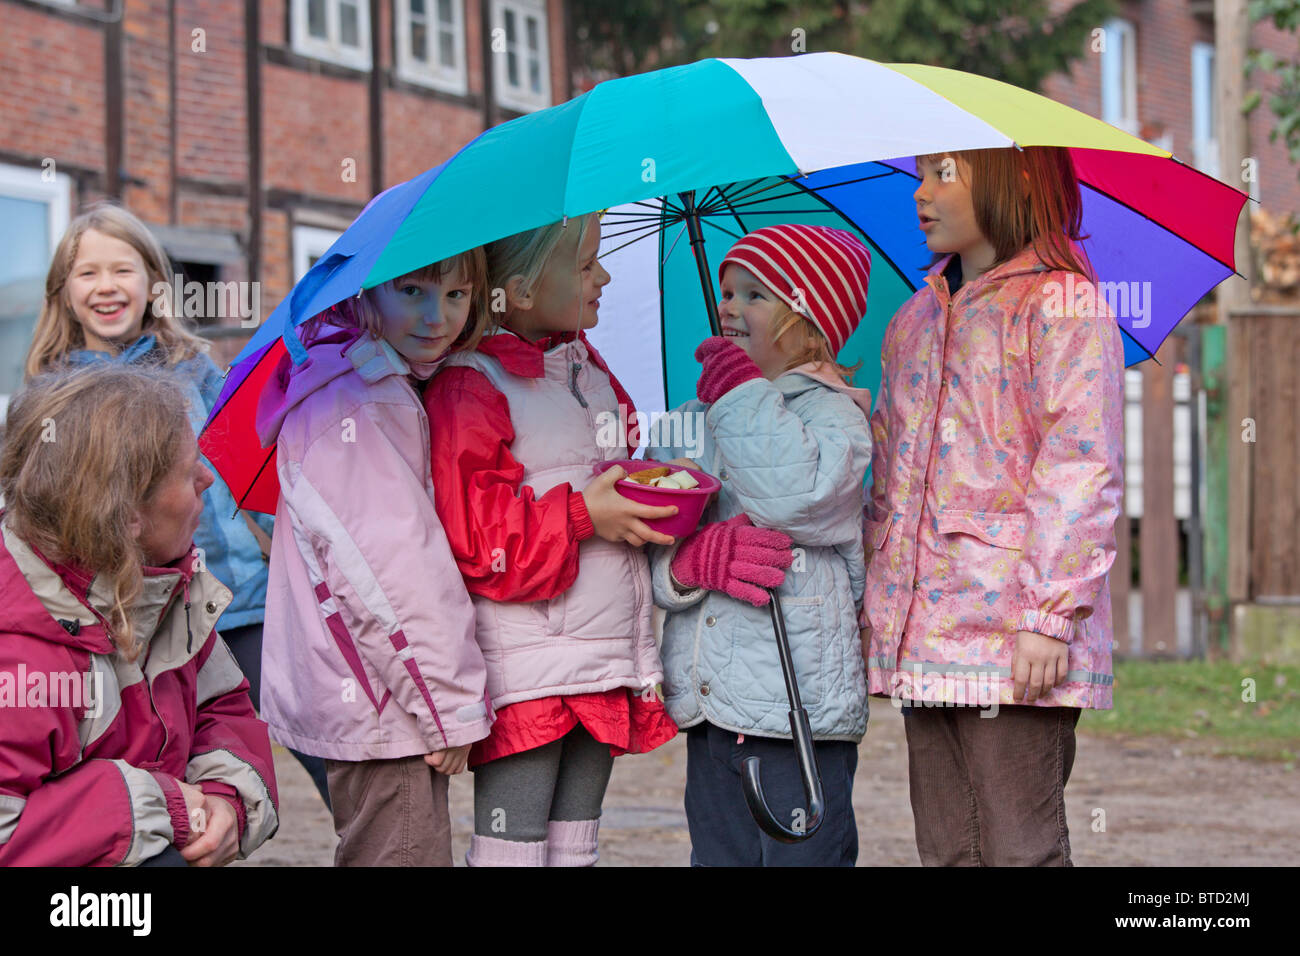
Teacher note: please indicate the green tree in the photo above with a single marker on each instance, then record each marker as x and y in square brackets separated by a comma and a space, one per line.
[1019, 41]
[1285, 103]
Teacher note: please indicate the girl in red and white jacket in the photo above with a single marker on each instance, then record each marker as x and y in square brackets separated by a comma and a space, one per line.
[560, 586]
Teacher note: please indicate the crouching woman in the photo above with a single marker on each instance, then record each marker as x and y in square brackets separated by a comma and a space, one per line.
[129, 736]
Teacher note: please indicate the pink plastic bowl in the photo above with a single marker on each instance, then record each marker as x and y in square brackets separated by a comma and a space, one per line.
[689, 501]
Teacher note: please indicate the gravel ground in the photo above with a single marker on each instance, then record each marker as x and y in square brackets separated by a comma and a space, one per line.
[1163, 806]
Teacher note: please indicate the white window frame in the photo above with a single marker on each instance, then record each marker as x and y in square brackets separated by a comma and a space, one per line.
[310, 241]
[1205, 131]
[1119, 76]
[521, 98]
[435, 73]
[331, 49]
[22, 182]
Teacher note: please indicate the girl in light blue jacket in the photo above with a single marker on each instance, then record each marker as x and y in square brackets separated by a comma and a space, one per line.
[788, 438]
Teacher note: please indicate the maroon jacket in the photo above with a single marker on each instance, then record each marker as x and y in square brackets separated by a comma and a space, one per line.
[92, 745]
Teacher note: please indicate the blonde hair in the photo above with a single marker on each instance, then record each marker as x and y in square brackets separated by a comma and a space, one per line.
[526, 254]
[362, 311]
[58, 331]
[810, 345]
[73, 498]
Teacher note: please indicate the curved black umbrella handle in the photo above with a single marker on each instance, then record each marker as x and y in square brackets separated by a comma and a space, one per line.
[805, 820]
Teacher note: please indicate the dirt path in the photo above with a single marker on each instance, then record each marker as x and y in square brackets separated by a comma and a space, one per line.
[1162, 807]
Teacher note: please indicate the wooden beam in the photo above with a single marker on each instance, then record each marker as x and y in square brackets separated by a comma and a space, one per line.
[1159, 557]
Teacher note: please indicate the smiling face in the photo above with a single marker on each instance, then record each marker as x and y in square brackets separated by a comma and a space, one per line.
[107, 289]
[423, 317]
[567, 295]
[749, 313]
[947, 213]
[169, 517]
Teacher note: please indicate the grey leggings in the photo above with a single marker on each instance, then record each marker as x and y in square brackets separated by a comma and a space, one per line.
[515, 796]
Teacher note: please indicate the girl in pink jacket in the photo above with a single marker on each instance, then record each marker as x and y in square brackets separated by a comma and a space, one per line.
[990, 521]
[369, 657]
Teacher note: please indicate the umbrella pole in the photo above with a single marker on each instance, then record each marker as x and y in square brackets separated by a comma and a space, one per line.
[807, 820]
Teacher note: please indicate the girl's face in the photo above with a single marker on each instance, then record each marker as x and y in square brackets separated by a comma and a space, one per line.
[947, 212]
[108, 290]
[421, 317]
[169, 517]
[748, 313]
[567, 295]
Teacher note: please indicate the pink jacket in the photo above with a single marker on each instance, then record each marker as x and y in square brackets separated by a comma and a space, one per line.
[92, 746]
[368, 651]
[996, 487]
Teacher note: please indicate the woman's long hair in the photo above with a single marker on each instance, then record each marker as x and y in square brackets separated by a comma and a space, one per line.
[1026, 197]
[85, 449]
[57, 330]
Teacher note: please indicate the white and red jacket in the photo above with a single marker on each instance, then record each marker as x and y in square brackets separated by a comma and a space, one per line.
[93, 745]
[368, 651]
[517, 431]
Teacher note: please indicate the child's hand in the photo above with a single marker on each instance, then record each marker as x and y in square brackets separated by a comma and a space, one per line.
[1038, 664]
[685, 463]
[450, 761]
[733, 556]
[616, 518]
[726, 365]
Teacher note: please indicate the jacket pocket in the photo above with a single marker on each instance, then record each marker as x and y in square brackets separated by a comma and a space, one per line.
[998, 529]
[605, 600]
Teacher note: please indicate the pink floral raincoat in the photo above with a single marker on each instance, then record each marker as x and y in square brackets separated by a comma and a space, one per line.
[997, 469]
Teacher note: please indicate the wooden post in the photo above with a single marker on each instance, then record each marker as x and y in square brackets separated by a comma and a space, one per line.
[1231, 39]
[1159, 557]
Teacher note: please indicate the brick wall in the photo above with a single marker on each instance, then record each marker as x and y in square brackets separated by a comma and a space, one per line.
[1166, 32]
[52, 90]
[186, 159]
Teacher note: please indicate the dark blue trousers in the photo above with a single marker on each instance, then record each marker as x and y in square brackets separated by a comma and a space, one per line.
[722, 831]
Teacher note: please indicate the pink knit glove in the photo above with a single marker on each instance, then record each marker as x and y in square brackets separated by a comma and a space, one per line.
[725, 366]
[733, 556]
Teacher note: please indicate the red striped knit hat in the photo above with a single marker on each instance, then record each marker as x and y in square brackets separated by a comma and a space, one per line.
[819, 272]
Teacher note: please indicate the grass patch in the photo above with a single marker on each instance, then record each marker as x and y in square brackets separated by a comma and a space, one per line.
[1199, 704]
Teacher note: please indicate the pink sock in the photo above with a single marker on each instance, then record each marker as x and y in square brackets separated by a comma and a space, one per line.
[491, 851]
[572, 842]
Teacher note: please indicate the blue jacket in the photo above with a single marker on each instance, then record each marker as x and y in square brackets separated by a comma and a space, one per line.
[230, 551]
[792, 454]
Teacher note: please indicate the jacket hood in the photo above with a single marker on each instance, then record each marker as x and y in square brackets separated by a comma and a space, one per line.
[1026, 262]
[67, 604]
[334, 353]
[861, 396]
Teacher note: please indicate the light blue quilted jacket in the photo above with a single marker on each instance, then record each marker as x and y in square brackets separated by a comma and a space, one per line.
[792, 454]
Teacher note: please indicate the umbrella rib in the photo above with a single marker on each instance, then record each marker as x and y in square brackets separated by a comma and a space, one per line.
[674, 245]
[646, 232]
[710, 222]
[652, 226]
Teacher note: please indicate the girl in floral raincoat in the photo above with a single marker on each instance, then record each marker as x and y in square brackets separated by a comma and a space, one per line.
[990, 524]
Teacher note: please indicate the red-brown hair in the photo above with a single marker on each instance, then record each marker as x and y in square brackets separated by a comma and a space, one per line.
[1026, 197]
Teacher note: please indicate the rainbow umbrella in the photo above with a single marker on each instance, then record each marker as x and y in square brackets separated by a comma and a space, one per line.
[686, 141]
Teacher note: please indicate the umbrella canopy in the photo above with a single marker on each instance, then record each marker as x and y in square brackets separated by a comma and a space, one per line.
[721, 122]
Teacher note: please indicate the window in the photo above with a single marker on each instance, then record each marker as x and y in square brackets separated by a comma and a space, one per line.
[521, 66]
[1205, 127]
[309, 244]
[1119, 76]
[34, 206]
[337, 31]
[431, 43]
